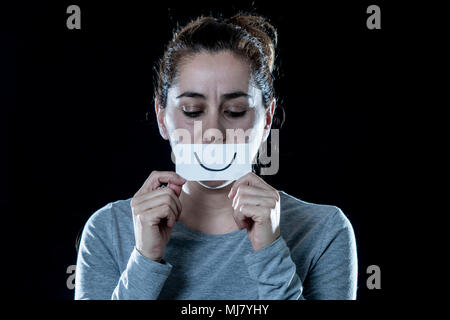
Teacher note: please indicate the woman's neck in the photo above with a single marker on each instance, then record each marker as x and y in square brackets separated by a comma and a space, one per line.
[207, 210]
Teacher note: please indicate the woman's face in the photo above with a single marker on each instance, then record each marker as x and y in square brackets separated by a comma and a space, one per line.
[214, 91]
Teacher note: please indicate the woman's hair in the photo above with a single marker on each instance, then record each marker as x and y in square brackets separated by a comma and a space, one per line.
[248, 36]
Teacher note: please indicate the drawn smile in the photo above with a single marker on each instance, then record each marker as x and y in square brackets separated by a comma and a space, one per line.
[210, 169]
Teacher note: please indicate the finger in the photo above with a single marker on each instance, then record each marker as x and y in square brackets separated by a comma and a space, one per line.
[157, 178]
[256, 213]
[157, 198]
[172, 219]
[157, 202]
[251, 191]
[176, 188]
[175, 197]
[164, 192]
[160, 177]
[240, 219]
[163, 212]
[266, 202]
[249, 179]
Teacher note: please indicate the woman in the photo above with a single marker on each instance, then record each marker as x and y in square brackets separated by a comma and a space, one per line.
[238, 239]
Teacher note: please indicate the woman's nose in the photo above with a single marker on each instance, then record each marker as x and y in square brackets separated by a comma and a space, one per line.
[213, 131]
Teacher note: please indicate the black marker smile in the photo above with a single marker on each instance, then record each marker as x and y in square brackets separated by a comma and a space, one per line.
[206, 168]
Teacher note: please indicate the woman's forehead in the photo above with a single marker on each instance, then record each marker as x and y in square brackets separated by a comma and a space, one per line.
[222, 69]
[214, 74]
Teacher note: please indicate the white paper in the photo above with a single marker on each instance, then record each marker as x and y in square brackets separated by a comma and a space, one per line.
[204, 162]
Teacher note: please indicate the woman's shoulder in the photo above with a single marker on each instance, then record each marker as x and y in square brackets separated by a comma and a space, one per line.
[115, 211]
[297, 213]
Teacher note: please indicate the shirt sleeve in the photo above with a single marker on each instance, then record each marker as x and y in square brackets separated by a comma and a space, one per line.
[275, 272]
[97, 274]
[334, 274]
[332, 277]
[143, 279]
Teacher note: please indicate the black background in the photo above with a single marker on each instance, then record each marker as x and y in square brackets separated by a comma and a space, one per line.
[75, 136]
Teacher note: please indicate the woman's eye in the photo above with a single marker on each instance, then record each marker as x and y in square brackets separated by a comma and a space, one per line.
[235, 114]
[193, 114]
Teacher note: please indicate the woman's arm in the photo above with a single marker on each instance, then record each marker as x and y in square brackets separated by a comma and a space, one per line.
[332, 277]
[97, 273]
[275, 273]
[334, 274]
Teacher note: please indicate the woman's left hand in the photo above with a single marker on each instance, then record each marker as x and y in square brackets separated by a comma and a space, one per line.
[256, 207]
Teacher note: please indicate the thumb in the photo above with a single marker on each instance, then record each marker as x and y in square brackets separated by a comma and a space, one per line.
[175, 187]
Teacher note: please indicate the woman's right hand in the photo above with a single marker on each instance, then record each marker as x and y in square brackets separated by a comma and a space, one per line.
[155, 212]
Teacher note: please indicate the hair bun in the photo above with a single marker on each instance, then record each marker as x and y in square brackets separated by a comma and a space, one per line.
[260, 28]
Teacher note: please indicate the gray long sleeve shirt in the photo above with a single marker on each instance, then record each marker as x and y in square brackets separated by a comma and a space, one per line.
[314, 258]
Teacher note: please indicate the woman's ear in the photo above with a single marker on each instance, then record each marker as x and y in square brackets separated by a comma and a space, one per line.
[160, 115]
[268, 116]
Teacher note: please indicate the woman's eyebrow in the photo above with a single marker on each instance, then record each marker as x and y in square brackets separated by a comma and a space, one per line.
[234, 95]
[225, 96]
[190, 94]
